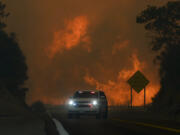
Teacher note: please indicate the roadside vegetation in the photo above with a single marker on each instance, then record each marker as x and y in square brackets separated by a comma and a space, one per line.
[13, 69]
[163, 27]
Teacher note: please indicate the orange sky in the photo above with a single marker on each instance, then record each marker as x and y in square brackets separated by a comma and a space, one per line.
[83, 44]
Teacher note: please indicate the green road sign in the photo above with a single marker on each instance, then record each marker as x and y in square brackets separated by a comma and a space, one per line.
[138, 81]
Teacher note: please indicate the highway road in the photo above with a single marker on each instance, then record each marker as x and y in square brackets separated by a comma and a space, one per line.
[117, 125]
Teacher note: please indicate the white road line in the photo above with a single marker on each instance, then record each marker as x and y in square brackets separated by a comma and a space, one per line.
[60, 127]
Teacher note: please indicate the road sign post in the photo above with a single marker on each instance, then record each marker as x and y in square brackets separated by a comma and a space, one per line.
[144, 97]
[131, 97]
[138, 82]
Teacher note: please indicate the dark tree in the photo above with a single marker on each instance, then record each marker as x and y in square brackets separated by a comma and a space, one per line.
[163, 26]
[13, 68]
[3, 15]
[38, 107]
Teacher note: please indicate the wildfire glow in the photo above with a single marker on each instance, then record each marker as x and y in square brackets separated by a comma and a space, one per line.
[118, 93]
[119, 46]
[45, 99]
[75, 32]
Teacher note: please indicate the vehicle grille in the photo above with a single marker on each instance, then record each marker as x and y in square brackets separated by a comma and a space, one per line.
[82, 102]
[83, 106]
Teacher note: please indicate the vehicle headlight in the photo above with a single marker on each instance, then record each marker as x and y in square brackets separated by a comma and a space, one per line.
[94, 102]
[71, 103]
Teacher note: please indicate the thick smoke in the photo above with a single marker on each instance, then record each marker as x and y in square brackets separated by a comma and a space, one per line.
[83, 44]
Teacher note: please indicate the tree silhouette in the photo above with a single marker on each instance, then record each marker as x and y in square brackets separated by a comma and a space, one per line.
[13, 68]
[3, 15]
[163, 25]
[38, 107]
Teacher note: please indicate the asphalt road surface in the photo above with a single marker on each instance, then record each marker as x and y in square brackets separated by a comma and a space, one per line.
[122, 125]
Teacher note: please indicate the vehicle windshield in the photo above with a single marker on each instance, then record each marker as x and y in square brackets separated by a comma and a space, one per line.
[86, 94]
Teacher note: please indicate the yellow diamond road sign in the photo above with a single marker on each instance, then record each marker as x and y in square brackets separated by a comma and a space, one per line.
[138, 81]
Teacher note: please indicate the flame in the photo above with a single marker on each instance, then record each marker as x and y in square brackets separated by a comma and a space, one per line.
[118, 93]
[73, 34]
